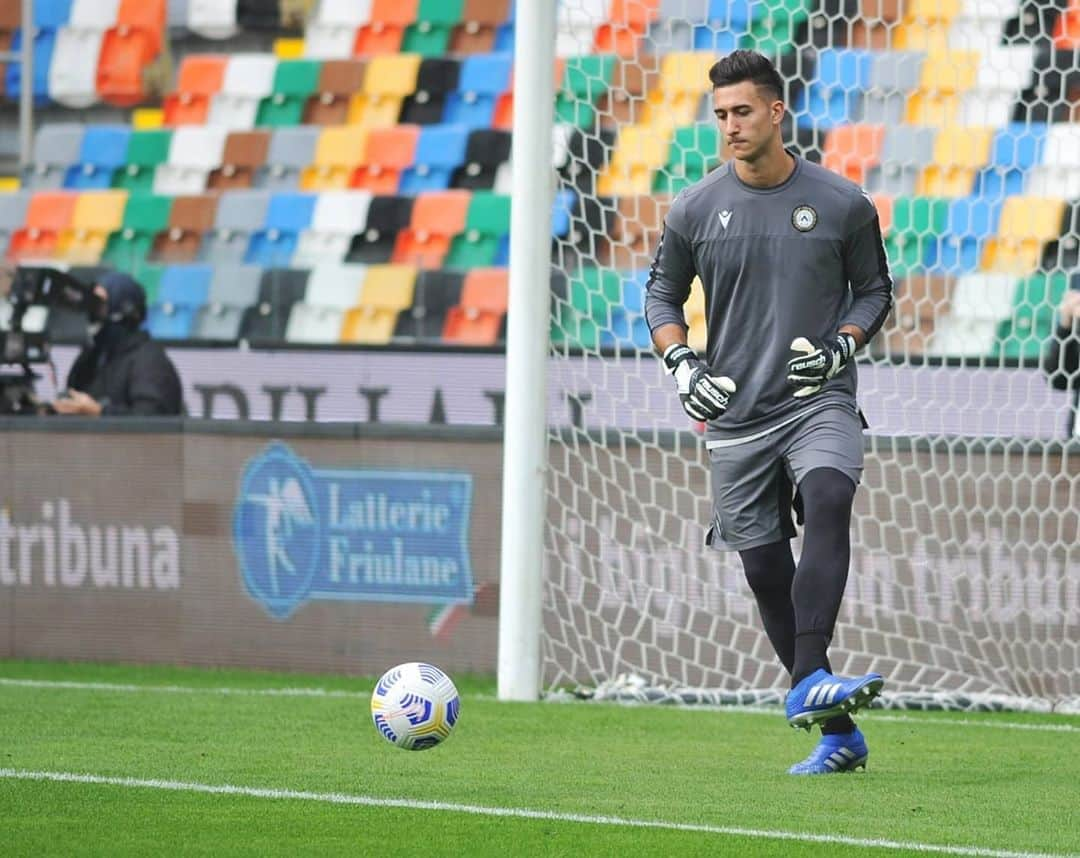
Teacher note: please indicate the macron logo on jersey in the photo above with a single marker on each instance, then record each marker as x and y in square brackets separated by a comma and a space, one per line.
[725, 218]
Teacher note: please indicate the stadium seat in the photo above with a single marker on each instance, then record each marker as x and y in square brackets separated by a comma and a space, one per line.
[189, 218]
[628, 325]
[434, 293]
[440, 149]
[959, 153]
[478, 318]
[834, 97]
[893, 74]
[145, 215]
[384, 31]
[201, 76]
[73, 72]
[429, 34]
[1027, 223]
[675, 100]
[194, 152]
[294, 83]
[279, 290]
[435, 79]
[330, 31]
[57, 147]
[331, 291]
[145, 19]
[102, 152]
[970, 223]
[487, 221]
[979, 303]
[694, 151]
[146, 151]
[1032, 318]
[245, 152]
[920, 300]
[338, 216]
[475, 33]
[437, 217]
[291, 150]
[575, 25]
[338, 153]
[339, 80]
[387, 216]
[585, 80]
[388, 80]
[96, 214]
[239, 214]
[44, 43]
[1059, 172]
[387, 291]
[624, 101]
[212, 19]
[389, 152]
[639, 151]
[12, 216]
[485, 153]
[1014, 151]
[945, 76]
[918, 226]
[482, 79]
[286, 217]
[852, 150]
[635, 232]
[625, 27]
[905, 148]
[233, 288]
[248, 79]
[1001, 74]
[183, 290]
[47, 215]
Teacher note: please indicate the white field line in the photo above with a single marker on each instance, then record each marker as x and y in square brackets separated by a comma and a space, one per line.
[299, 691]
[515, 812]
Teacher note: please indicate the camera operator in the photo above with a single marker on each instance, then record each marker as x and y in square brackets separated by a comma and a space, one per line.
[122, 371]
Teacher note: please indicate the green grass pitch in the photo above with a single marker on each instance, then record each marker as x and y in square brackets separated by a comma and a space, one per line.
[945, 783]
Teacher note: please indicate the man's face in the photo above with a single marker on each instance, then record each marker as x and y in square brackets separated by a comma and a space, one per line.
[748, 119]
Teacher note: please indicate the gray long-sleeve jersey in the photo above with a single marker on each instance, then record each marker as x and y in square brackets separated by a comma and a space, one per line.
[798, 259]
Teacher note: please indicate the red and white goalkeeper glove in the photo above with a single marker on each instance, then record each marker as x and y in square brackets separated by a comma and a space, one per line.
[704, 396]
[817, 361]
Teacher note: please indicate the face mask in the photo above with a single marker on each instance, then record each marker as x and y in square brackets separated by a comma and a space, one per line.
[110, 335]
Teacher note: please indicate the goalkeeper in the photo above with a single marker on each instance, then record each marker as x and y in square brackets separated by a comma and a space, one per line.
[796, 281]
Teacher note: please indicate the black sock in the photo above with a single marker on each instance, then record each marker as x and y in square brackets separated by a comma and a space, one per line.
[809, 655]
[770, 570]
[839, 724]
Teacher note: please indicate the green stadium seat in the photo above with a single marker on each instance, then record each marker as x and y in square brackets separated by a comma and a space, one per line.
[486, 222]
[144, 217]
[1023, 335]
[585, 79]
[146, 150]
[772, 31]
[917, 223]
[294, 82]
[429, 35]
[695, 150]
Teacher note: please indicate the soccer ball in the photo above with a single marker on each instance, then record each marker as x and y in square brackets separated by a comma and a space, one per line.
[415, 706]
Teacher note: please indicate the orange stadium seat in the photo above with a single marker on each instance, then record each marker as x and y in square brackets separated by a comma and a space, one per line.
[149, 17]
[389, 151]
[199, 78]
[339, 81]
[437, 217]
[884, 205]
[851, 150]
[1067, 29]
[478, 319]
[49, 213]
[628, 21]
[189, 218]
[124, 56]
[385, 31]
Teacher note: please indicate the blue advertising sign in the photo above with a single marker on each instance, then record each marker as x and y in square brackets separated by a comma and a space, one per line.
[302, 533]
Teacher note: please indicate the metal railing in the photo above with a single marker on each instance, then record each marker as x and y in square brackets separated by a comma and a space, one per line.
[25, 58]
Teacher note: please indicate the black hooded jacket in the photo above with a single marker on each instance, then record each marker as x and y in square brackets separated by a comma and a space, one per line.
[135, 378]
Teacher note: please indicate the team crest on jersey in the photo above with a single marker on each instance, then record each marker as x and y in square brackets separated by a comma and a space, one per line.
[804, 218]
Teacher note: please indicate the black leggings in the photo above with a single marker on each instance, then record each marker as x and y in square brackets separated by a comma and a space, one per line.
[799, 604]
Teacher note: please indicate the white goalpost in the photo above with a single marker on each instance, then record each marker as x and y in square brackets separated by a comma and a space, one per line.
[964, 587]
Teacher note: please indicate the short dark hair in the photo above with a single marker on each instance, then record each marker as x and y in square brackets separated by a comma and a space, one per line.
[747, 65]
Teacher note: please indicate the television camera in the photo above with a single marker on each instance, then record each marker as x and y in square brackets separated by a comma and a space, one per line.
[24, 287]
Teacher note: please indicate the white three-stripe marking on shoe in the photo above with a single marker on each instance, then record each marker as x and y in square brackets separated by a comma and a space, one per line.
[833, 689]
[847, 752]
[822, 693]
[837, 758]
[831, 764]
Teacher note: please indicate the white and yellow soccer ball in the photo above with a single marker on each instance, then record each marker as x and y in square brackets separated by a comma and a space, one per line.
[415, 706]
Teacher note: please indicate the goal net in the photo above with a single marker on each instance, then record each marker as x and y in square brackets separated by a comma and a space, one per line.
[964, 587]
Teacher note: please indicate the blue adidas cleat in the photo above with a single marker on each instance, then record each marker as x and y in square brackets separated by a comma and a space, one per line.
[837, 752]
[821, 696]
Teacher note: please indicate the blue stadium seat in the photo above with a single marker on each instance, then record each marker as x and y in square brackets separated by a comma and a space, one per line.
[561, 210]
[504, 35]
[103, 151]
[483, 78]
[52, 14]
[440, 149]
[727, 21]
[44, 46]
[970, 223]
[183, 290]
[628, 321]
[835, 96]
[287, 215]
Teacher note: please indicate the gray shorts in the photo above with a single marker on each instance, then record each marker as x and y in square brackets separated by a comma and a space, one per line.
[753, 482]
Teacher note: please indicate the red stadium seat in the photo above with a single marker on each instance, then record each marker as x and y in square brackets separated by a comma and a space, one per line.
[477, 320]
[851, 150]
[48, 214]
[626, 25]
[389, 151]
[201, 75]
[436, 218]
[385, 31]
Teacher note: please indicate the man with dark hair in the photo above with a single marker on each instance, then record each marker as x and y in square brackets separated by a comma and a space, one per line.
[796, 280]
[122, 371]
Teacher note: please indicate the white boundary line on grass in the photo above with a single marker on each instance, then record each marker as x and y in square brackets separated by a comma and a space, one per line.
[299, 691]
[513, 812]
